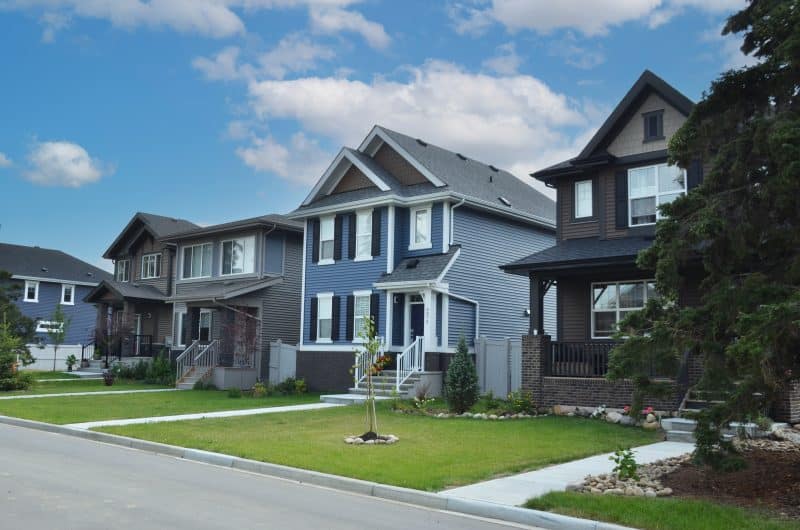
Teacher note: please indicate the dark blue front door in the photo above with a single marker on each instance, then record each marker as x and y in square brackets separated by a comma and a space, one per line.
[417, 321]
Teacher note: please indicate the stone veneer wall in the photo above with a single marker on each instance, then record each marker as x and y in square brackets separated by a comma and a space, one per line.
[787, 408]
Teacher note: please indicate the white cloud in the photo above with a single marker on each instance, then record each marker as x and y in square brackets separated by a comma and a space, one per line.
[63, 164]
[506, 62]
[332, 20]
[576, 55]
[729, 49]
[223, 66]
[4, 160]
[53, 23]
[301, 162]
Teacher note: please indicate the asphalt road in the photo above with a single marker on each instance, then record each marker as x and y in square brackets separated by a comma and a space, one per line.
[51, 481]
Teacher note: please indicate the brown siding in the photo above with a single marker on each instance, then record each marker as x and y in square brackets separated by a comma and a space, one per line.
[147, 245]
[575, 229]
[398, 166]
[573, 303]
[353, 179]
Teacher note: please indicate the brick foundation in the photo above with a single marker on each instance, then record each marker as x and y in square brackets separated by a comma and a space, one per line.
[325, 371]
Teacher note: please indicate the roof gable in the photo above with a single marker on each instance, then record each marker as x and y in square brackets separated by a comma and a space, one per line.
[158, 226]
[346, 159]
[353, 179]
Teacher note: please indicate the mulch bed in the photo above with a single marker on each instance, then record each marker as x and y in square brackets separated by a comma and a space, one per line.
[770, 481]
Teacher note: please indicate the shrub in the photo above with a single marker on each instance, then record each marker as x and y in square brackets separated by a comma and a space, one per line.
[300, 386]
[522, 402]
[234, 392]
[461, 383]
[108, 377]
[291, 386]
[261, 390]
[626, 465]
[204, 385]
[71, 361]
[160, 372]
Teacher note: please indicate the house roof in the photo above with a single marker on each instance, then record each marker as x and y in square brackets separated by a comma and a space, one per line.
[594, 152]
[50, 264]
[158, 226]
[123, 290]
[453, 174]
[578, 253]
[421, 269]
[269, 220]
[225, 290]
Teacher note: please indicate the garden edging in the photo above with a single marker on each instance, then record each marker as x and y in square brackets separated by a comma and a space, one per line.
[548, 520]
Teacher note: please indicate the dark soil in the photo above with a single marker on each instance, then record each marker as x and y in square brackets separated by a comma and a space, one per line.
[771, 481]
[369, 435]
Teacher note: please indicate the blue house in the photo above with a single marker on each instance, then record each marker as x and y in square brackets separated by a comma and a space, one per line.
[47, 278]
[413, 235]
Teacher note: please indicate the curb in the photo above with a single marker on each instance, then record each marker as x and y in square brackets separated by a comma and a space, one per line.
[436, 501]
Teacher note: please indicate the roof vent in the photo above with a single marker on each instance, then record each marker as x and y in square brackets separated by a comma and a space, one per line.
[491, 179]
[422, 143]
[44, 269]
[90, 274]
[462, 157]
[412, 264]
[504, 201]
[493, 168]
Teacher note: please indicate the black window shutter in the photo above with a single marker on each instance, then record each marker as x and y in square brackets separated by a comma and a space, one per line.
[335, 303]
[376, 232]
[351, 240]
[374, 309]
[694, 174]
[315, 240]
[337, 238]
[351, 313]
[621, 199]
[312, 334]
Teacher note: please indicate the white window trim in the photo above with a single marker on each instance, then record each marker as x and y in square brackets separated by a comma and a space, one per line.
[329, 298]
[332, 220]
[179, 321]
[412, 227]
[359, 214]
[359, 294]
[127, 263]
[222, 255]
[183, 257]
[617, 309]
[156, 269]
[63, 290]
[657, 194]
[25, 298]
[591, 199]
[43, 326]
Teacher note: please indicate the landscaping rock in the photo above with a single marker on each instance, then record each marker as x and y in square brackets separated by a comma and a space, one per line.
[614, 491]
[651, 426]
[650, 418]
[613, 417]
[788, 435]
[561, 410]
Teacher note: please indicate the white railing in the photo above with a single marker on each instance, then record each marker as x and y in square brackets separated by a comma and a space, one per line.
[207, 358]
[411, 360]
[364, 362]
[185, 361]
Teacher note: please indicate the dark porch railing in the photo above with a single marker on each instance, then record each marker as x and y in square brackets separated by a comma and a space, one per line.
[579, 359]
[129, 345]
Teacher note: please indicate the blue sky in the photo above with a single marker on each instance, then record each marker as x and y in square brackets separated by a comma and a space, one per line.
[213, 110]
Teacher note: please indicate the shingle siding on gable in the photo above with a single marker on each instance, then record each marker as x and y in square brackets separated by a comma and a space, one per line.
[398, 166]
[487, 242]
[353, 179]
[82, 315]
[630, 139]
[402, 231]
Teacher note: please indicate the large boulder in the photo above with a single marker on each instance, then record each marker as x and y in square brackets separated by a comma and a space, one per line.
[613, 417]
[789, 435]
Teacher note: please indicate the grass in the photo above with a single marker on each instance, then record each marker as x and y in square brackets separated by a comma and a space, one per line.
[44, 386]
[432, 453]
[77, 409]
[660, 513]
[41, 375]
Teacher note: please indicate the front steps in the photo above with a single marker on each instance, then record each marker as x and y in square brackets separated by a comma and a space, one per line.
[188, 381]
[682, 430]
[384, 384]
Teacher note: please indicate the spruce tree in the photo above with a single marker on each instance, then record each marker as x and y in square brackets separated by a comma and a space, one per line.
[461, 384]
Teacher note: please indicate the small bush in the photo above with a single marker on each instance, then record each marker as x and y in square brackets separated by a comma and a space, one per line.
[625, 465]
[19, 381]
[234, 393]
[71, 361]
[522, 402]
[160, 372]
[461, 383]
[291, 386]
[492, 402]
[204, 385]
[109, 377]
[261, 390]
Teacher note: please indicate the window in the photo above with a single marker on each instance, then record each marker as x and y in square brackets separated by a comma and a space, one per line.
[420, 228]
[326, 240]
[151, 266]
[653, 125]
[363, 235]
[44, 326]
[197, 261]
[31, 291]
[583, 199]
[237, 256]
[180, 331]
[67, 294]
[324, 317]
[123, 270]
[611, 302]
[361, 306]
[204, 331]
[651, 186]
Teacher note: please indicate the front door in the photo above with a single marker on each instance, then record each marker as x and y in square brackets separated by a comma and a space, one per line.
[417, 321]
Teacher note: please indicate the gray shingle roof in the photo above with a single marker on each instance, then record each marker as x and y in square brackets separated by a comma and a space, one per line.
[579, 252]
[226, 289]
[163, 226]
[420, 269]
[262, 220]
[48, 263]
[126, 290]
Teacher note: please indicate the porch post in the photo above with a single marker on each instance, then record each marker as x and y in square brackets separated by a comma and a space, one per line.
[536, 304]
[430, 320]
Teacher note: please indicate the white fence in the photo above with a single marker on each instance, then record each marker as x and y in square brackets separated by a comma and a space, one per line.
[499, 365]
[282, 361]
[44, 357]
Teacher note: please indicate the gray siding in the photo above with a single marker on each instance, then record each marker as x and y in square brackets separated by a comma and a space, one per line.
[462, 322]
[281, 302]
[630, 139]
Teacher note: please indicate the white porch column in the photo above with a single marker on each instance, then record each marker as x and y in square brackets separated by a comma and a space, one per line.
[429, 298]
[389, 316]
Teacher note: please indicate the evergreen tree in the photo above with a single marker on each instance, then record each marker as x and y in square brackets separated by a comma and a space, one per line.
[740, 229]
[461, 384]
[18, 324]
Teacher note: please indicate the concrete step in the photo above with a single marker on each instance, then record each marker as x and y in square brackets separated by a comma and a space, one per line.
[378, 391]
[678, 424]
[680, 436]
[184, 386]
[348, 399]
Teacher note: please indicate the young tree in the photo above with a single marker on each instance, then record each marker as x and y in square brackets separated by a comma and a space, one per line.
[371, 348]
[57, 331]
[741, 228]
[461, 383]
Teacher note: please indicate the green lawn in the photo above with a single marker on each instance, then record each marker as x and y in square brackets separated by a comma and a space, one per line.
[43, 386]
[41, 375]
[432, 453]
[76, 409]
[658, 514]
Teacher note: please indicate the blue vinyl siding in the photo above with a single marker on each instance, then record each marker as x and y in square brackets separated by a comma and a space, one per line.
[439, 319]
[462, 322]
[82, 315]
[402, 227]
[488, 241]
[344, 277]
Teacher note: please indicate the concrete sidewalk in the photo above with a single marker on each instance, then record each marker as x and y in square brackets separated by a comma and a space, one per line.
[515, 490]
[100, 393]
[200, 415]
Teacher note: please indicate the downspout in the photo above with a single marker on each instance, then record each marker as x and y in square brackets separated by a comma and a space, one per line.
[452, 216]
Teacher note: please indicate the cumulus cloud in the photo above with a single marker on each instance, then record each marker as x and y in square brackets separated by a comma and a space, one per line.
[576, 55]
[4, 160]
[506, 62]
[332, 20]
[729, 47]
[53, 23]
[63, 164]
[301, 161]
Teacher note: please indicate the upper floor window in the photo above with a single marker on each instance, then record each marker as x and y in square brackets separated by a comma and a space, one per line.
[583, 199]
[650, 186]
[653, 125]
[31, 291]
[611, 302]
[363, 235]
[124, 270]
[151, 266]
[326, 240]
[238, 256]
[67, 294]
[197, 261]
[420, 230]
